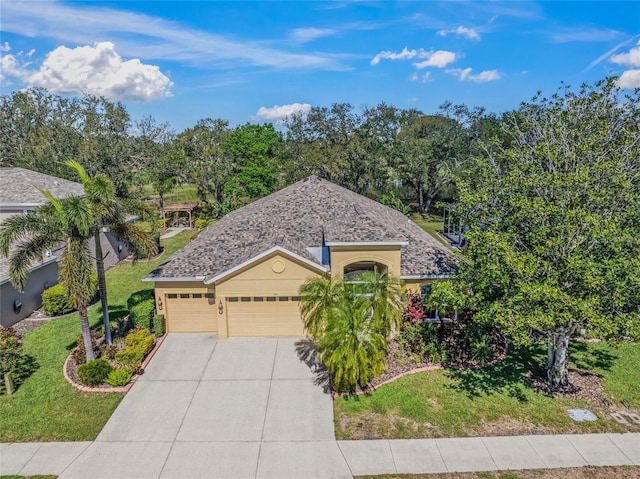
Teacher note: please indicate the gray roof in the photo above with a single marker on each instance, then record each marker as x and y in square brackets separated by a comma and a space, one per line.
[17, 187]
[299, 217]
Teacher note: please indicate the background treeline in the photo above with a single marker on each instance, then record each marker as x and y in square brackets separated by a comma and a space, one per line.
[397, 156]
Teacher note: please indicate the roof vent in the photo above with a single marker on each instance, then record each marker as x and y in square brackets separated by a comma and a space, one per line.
[57, 183]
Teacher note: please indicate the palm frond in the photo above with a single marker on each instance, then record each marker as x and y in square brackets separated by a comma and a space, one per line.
[76, 269]
[25, 255]
[82, 173]
[138, 241]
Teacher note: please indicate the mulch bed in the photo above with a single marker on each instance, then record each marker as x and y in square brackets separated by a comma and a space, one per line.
[583, 384]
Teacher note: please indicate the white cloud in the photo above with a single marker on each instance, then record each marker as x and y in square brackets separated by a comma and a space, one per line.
[405, 54]
[279, 113]
[422, 78]
[303, 35]
[482, 77]
[97, 70]
[5, 47]
[439, 59]
[629, 79]
[462, 31]
[632, 57]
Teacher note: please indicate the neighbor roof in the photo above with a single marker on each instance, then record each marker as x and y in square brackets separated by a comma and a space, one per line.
[305, 215]
[18, 187]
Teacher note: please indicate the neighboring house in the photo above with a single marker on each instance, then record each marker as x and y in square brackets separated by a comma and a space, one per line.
[19, 194]
[241, 276]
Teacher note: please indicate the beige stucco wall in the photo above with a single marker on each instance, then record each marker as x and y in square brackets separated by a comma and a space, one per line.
[342, 256]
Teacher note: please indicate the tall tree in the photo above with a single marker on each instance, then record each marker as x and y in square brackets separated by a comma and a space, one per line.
[555, 221]
[210, 167]
[25, 238]
[253, 150]
[110, 214]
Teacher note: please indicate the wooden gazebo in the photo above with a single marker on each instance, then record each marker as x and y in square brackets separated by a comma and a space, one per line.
[186, 208]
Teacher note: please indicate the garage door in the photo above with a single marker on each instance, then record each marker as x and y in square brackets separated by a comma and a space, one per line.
[264, 316]
[191, 313]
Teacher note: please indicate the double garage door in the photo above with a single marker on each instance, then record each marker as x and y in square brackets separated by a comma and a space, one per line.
[264, 316]
[247, 316]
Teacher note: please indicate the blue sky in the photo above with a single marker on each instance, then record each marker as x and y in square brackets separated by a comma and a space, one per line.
[248, 61]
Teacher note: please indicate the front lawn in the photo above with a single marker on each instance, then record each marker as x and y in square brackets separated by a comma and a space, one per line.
[490, 401]
[46, 407]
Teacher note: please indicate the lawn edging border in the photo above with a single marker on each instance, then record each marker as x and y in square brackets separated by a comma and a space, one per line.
[115, 389]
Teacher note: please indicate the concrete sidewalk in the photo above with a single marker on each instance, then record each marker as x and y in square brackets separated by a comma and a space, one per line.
[306, 459]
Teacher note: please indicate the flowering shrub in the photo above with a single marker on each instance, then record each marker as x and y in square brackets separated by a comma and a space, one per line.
[414, 311]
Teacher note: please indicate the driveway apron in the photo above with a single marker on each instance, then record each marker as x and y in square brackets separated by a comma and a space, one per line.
[237, 408]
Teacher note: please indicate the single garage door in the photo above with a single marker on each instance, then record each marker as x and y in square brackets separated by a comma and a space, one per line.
[264, 316]
[191, 313]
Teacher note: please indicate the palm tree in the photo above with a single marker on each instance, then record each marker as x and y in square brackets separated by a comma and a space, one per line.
[26, 237]
[110, 214]
[317, 295]
[352, 319]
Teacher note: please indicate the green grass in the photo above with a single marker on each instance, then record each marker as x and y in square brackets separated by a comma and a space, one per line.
[46, 407]
[476, 402]
[431, 224]
[180, 194]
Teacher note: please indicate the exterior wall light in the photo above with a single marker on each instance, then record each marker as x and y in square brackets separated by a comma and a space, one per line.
[17, 306]
[220, 307]
[159, 303]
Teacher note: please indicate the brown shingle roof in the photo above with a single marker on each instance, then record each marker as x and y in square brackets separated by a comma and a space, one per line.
[17, 187]
[298, 217]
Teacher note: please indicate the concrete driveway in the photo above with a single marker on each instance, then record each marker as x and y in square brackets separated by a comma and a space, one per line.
[205, 408]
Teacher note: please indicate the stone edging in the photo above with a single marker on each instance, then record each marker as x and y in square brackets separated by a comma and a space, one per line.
[122, 389]
[436, 367]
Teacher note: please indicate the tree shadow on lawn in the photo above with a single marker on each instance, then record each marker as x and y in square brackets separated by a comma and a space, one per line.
[506, 374]
[509, 373]
[591, 356]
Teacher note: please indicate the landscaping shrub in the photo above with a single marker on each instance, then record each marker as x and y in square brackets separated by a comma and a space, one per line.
[200, 223]
[137, 345]
[159, 325]
[457, 344]
[54, 301]
[119, 377]
[13, 359]
[141, 305]
[94, 372]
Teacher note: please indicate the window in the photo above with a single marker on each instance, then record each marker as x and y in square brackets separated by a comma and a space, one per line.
[295, 298]
[208, 295]
[271, 299]
[245, 299]
[184, 295]
[172, 296]
[196, 295]
[258, 298]
[232, 300]
[283, 298]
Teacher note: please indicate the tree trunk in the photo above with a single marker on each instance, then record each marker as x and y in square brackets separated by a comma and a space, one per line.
[557, 358]
[102, 287]
[86, 333]
[420, 198]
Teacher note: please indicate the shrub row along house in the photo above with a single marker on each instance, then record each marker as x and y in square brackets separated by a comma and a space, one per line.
[20, 193]
[241, 276]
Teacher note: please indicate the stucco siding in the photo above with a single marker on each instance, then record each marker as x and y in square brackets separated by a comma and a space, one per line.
[31, 298]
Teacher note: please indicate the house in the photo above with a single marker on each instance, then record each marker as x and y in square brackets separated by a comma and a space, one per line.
[241, 276]
[19, 194]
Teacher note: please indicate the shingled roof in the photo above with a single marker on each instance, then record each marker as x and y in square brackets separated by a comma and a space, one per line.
[18, 187]
[301, 216]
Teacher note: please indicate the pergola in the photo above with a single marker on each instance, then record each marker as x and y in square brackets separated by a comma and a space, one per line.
[186, 208]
